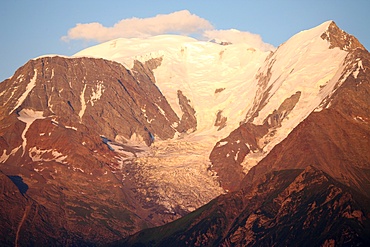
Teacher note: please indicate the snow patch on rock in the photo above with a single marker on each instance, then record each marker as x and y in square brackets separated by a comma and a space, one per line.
[29, 87]
[28, 116]
[83, 103]
[359, 66]
[96, 94]
[37, 154]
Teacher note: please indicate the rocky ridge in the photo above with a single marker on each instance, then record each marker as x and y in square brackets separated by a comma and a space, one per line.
[233, 156]
[301, 207]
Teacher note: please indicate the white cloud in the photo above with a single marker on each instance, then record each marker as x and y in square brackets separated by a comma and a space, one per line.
[235, 36]
[180, 22]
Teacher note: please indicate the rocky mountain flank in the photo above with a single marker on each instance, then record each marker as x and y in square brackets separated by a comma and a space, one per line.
[335, 139]
[116, 103]
[235, 154]
[312, 189]
[286, 207]
[63, 120]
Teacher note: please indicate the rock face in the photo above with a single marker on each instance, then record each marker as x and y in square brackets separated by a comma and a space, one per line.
[339, 38]
[59, 117]
[188, 119]
[93, 92]
[229, 153]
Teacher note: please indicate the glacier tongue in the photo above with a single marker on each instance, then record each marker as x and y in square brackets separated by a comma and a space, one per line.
[179, 170]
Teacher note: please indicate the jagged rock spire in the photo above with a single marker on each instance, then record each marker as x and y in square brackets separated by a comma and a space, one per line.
[339, 38]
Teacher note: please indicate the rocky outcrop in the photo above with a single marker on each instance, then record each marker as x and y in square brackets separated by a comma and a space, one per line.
[229, 153]
[188, 121]
[71, 187]
[277, 116]
[220, 120]
[142, 70]
[313, 210]
[339, 38]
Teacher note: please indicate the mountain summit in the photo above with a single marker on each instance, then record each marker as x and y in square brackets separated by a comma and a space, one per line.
[229, 140]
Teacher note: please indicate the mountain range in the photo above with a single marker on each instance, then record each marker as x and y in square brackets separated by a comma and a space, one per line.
[170, 141]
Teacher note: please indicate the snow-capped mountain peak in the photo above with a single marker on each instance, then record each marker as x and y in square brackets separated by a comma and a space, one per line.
[134, 133]
[291, 81]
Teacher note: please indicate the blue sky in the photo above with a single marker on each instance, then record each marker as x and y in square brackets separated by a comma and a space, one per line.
[33, 28]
